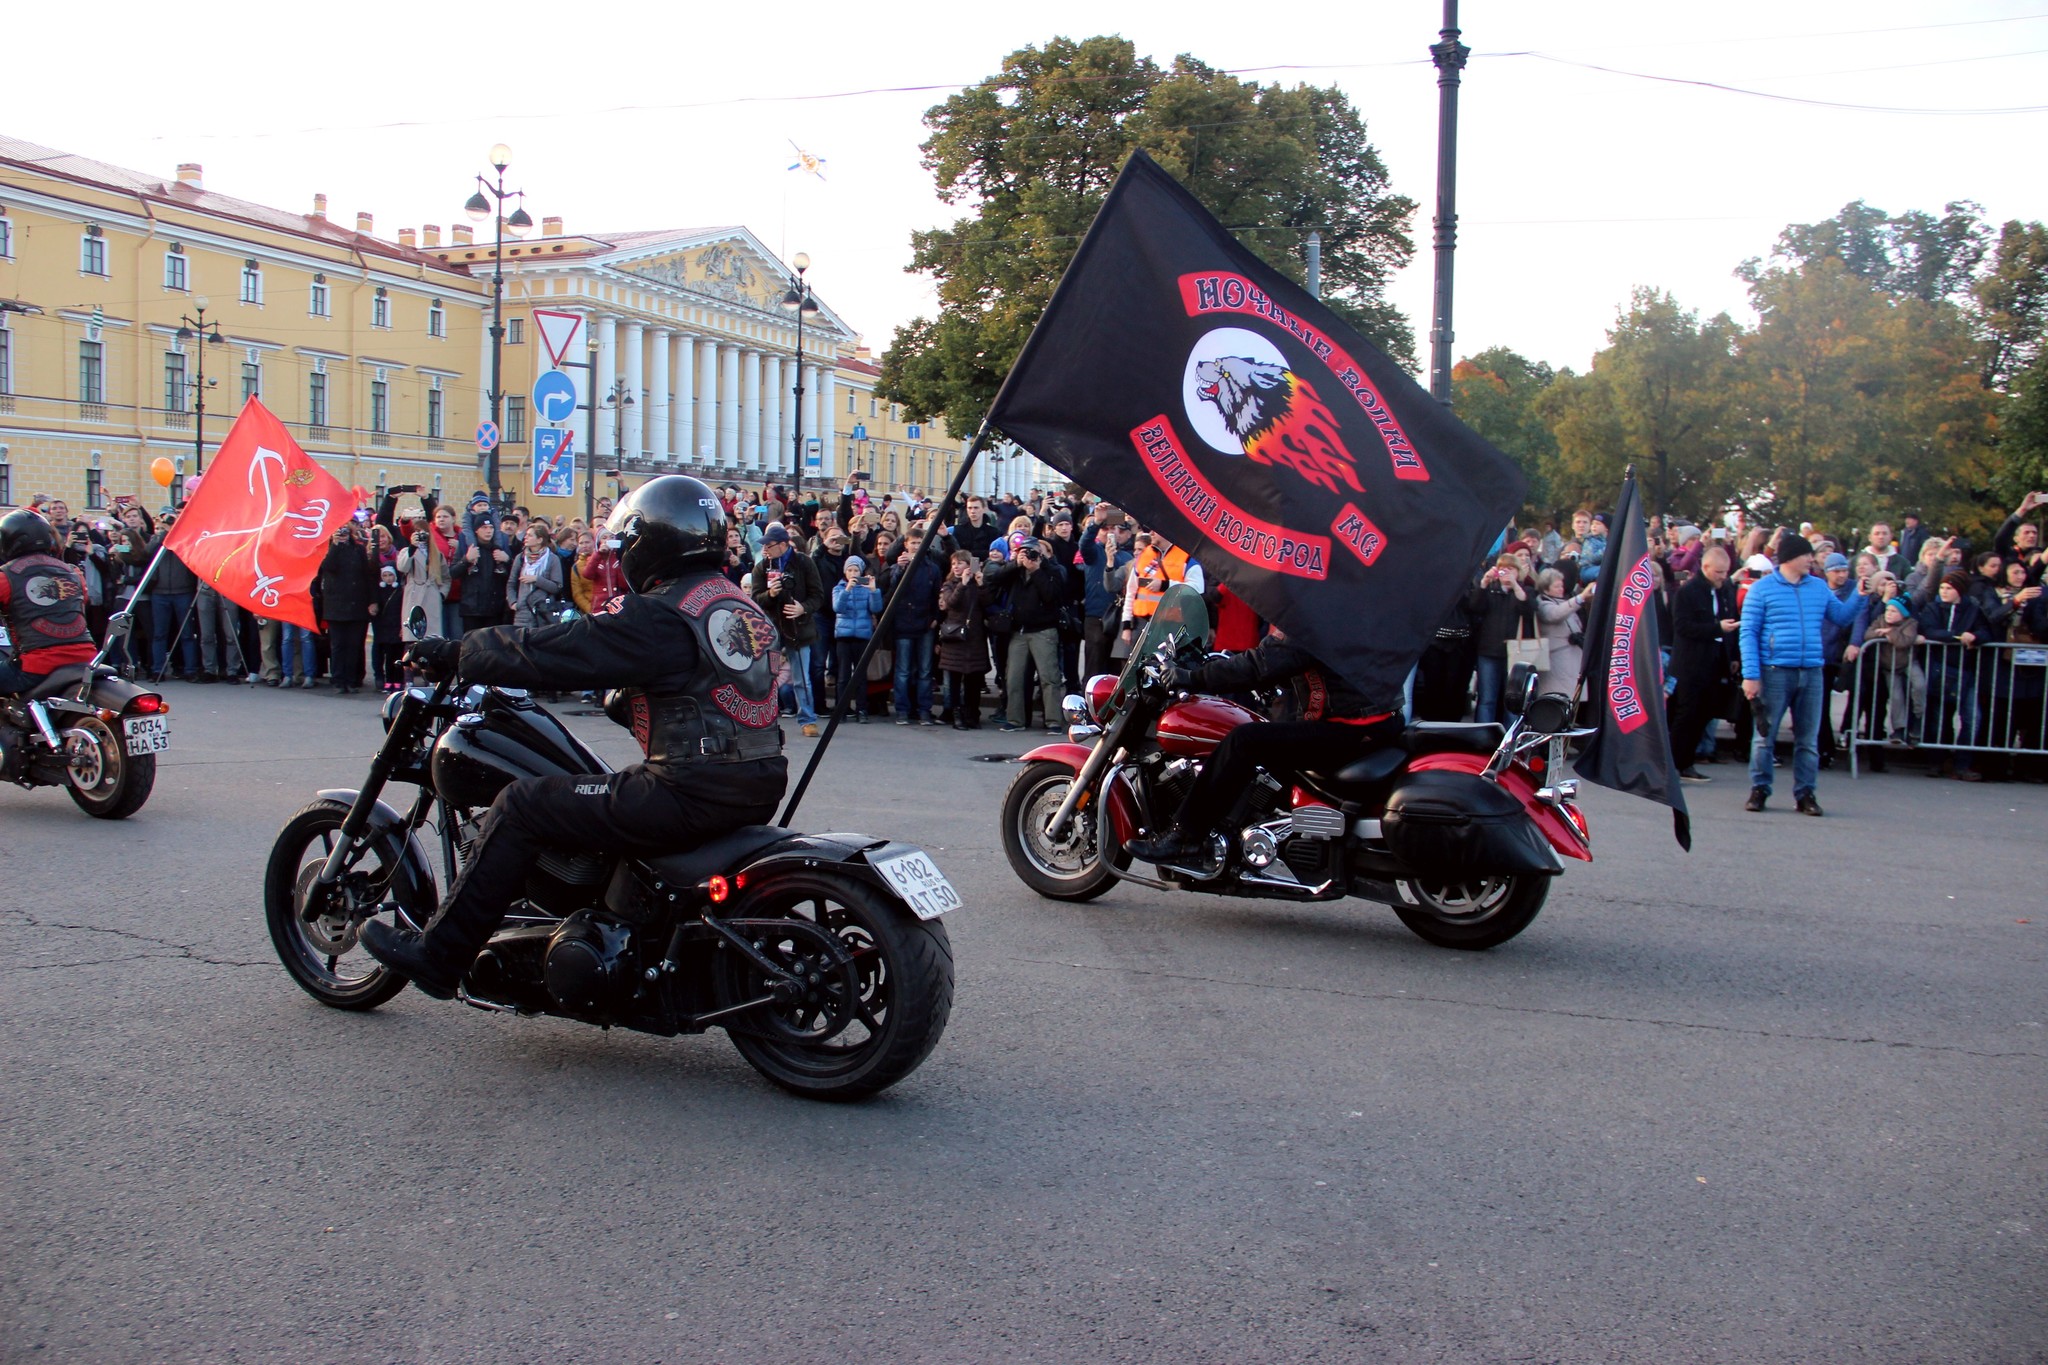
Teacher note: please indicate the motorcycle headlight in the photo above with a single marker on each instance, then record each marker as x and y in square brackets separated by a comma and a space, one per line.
[1098, 691]
[391, 705]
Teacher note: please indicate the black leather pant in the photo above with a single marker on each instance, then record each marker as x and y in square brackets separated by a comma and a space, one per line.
[1281, 748]
[632, 812]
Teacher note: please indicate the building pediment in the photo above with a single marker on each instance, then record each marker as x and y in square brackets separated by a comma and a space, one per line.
[730, 270]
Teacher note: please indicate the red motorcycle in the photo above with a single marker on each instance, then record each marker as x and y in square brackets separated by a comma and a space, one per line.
[1459, 828]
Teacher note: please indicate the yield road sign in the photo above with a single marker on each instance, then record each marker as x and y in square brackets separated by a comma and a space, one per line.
[559, 333]
[554, 396]
[554, 463]
[486, 437]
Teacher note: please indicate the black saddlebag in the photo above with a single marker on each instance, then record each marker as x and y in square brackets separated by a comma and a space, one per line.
[1457, 826]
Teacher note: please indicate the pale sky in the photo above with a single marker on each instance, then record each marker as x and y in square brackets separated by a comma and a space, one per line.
[1574, 184]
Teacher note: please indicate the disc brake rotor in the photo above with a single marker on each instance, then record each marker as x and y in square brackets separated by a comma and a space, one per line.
[334, 931]
[83, 759]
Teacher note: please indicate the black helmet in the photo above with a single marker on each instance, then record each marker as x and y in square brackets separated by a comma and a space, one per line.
[665, 526]
[23, 532]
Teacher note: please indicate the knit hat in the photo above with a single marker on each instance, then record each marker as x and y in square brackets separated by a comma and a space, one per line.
[1791, 545]
[1899, 604]
[856, 563]
[1957, 579]
[1835, 562]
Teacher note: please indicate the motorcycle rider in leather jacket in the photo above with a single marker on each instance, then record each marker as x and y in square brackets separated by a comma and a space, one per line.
[42, 600]
[1325, 724]
[694, 660]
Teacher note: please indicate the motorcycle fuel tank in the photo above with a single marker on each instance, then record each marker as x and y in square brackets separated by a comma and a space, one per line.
[1197, 725]
[482, 753]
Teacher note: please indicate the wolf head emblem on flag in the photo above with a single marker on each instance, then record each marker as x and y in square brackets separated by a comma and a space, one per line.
[1279, 418]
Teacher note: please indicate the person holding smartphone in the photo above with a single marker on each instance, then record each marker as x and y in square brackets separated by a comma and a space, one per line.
[855, 605]
[1502, 608]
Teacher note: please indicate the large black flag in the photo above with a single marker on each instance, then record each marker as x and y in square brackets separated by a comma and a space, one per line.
[1179, 376]
[1624, 673]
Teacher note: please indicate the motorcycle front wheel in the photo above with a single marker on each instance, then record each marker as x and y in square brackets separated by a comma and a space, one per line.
[1063, 869]
[1482, 913]
[321, 952]
[878, 992]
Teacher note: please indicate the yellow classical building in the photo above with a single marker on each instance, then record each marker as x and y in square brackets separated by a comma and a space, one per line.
[374, 354]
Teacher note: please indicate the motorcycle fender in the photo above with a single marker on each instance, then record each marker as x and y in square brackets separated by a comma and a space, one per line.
[112, 693]
[845, 852]
[1123, 809]
[386, 820]
[1559, 831]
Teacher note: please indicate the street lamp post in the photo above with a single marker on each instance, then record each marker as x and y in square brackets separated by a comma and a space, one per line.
[800, 301]
[195, 330]
[480, 208]
[620, 398]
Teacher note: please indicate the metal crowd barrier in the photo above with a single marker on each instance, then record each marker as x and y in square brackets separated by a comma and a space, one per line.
[1977, 699]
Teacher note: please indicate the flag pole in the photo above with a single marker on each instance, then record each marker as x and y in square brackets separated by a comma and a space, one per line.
[937, 525]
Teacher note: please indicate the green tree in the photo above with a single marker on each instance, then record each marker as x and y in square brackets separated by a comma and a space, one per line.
[1032, 150]
[2012, 302]
[1915, 253]
[1657, 397]
[1495, 393]
[1859, 400]
[2023, 436]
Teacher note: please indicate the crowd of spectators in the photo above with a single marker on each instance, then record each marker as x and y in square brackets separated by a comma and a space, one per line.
[1023, 597]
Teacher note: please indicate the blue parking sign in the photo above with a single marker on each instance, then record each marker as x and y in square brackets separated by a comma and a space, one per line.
[554, 463]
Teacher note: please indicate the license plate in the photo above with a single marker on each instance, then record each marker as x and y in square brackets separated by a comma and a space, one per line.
[148, 734]
[917, 879]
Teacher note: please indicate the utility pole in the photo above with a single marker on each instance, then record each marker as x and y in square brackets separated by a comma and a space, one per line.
[1449, 55]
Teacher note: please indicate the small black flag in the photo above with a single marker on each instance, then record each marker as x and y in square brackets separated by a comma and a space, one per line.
[1179, 376]
[1624, 673]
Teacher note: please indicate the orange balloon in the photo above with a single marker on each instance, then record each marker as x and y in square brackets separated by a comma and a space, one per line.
[161, 470]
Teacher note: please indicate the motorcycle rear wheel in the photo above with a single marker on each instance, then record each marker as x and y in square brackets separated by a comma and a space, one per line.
[1067, 870]
[1474, 915]
[891, 1004]
[322, 954]
[110, 783]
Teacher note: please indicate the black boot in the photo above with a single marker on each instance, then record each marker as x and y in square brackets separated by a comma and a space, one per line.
[1175, 846]
[436, 960]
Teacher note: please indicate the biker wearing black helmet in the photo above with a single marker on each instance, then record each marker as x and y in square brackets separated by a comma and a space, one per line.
[693, 660]
[42, 602]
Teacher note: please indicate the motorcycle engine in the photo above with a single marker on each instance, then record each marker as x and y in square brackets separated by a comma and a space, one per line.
[1172, 783]
[586, 965]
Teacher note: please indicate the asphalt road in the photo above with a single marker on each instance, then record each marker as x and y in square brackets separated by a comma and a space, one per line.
[1780, 1099]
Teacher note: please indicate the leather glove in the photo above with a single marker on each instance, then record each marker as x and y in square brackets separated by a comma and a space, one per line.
[435, 658]
[1180, 680]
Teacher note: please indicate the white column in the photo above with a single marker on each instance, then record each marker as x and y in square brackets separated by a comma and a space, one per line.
[774, 440]
[750, 408]
[635, 375]
[706, 438]
[826, 415]
[607, 374]
[657, 403]
[728, 405]
[682, 399]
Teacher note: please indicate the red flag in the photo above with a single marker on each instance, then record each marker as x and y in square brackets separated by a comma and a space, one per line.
[257, 528]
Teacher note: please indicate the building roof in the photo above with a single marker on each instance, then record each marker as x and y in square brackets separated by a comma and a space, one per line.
[101, 175]
[860, 366]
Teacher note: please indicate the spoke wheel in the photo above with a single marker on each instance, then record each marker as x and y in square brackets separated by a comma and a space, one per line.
[861, 992]
[105, 780]
[1481, 913]
[315, 928]
[1064, 868]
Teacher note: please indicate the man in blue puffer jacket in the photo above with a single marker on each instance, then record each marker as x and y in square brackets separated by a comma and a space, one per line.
[1782, 660]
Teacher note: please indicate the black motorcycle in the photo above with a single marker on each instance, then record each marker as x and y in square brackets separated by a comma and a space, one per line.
[86, 729]
[822, 955]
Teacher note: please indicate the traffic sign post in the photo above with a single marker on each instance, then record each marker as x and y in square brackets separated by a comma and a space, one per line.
[559, 333]
[554, 397]
[554, 463]
[486, 437]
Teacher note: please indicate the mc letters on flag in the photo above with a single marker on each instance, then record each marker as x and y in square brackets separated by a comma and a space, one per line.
[1630, 750]
[1177, 375]
[257, 528]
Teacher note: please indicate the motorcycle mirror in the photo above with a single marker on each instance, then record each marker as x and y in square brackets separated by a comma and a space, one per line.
[416, 624]
[1516, 695]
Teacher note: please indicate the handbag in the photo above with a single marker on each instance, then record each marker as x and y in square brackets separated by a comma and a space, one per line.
[952, 632]
[1070, 622]
[1002, 621]
[881, 666]
[1522, 650]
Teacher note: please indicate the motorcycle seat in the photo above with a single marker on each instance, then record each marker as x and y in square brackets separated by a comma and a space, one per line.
[60, 678]
[1452, 737]
[706, 860]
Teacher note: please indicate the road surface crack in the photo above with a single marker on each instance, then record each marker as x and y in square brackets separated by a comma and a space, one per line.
[1404, 997]
[181, 950]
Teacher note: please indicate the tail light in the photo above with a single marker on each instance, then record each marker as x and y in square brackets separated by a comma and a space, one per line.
[148, 704]
[1099, 690]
